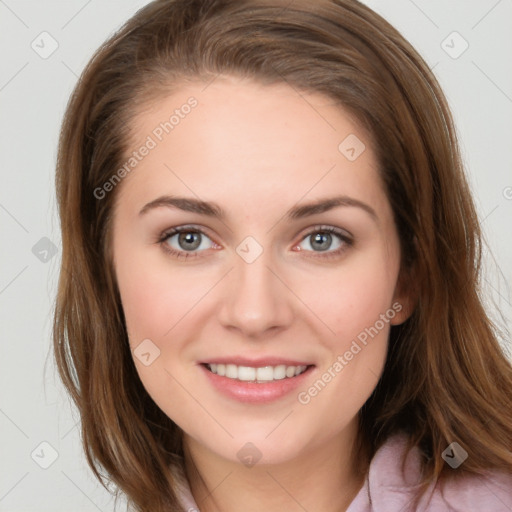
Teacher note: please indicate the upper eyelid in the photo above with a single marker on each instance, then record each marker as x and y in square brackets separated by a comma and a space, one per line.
[184, 228]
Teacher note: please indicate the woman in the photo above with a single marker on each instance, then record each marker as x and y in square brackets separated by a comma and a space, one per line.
[269, 287]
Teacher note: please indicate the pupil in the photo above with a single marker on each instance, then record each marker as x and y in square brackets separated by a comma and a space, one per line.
[322, 238]
[189, 238]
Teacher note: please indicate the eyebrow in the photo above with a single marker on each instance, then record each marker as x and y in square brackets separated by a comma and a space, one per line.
[211, 209]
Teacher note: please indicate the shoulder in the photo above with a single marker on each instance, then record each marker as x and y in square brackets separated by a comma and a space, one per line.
[389, 489]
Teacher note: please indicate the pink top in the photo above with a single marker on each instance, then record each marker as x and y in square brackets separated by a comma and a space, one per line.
[386, 489]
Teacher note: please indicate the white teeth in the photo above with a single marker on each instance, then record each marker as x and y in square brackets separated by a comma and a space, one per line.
[265, 373]
[280, 372]
[290, 371]
[246, 373]
[231, 371]
[260, 374]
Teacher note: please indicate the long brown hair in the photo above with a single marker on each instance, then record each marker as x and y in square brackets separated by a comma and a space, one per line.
[445, 379]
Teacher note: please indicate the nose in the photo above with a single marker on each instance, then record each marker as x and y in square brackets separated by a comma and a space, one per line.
[256, 301]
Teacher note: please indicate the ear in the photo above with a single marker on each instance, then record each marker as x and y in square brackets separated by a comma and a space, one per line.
[405, 297]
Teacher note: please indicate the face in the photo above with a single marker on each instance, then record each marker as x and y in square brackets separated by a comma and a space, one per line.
[253, 238]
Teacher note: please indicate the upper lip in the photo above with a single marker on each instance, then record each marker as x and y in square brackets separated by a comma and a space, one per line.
[256, 363]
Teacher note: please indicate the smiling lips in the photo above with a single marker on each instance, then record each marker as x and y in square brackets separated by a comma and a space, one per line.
[259, 374]
[256, 381]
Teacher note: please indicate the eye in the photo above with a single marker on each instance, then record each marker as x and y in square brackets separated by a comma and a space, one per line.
[185, 241]
[189, 241]
[326, 239]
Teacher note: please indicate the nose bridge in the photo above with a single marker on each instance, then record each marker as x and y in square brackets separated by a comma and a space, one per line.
[255, 299]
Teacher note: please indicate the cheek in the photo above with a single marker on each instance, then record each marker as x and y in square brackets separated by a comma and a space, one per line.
[143, 304]
[356, 302]
[155, 297]
[352, 298]
[155, 304]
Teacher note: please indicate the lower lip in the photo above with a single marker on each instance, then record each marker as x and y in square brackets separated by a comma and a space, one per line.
[254, 392]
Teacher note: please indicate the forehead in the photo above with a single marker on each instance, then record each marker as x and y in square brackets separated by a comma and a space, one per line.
[239, 142]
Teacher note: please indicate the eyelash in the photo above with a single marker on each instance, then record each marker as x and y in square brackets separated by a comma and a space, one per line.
[347, 241]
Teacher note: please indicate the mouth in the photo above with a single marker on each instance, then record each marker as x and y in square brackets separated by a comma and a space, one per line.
[257, 382]
[258, 374]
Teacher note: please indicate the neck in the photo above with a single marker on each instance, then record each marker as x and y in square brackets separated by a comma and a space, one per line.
[325, 478]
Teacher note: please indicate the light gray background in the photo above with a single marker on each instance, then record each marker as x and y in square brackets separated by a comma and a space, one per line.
[33, 95]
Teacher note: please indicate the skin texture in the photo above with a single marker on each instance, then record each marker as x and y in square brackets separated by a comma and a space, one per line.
[257, 151]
